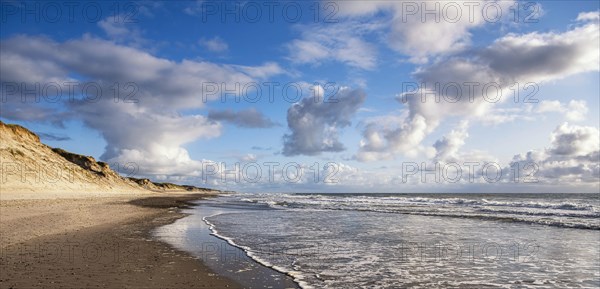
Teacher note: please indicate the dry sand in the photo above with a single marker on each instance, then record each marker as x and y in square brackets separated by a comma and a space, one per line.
[96, 242]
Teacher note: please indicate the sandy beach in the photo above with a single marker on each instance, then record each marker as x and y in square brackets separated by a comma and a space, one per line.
[100, 242]
[69, 221]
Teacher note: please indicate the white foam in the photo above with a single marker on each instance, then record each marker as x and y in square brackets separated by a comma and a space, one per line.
[296, 275]
[562, 213]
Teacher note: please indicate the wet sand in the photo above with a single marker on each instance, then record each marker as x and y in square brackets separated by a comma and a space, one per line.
[97, 243]
[193, 235]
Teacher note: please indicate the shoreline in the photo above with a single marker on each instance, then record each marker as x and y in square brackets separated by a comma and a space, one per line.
[195, 235]
[298, 282]
[98, 243]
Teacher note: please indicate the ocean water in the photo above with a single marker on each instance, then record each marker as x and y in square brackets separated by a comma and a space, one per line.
[418, 240]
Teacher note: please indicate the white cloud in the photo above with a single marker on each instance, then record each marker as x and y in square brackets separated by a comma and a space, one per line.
[447, 147]
[415, 32]
[572, 159]
[307, 51]
[249, 158]
[264, 71]
[378, 144]
[314, 122]
[575, 110]
[114, 28]
[571, 140]
[539, 57]
[550, 106]
[215, 44]
[533, 57]
[340, 42]
[123, 30]
[588, 16]
[151, 131]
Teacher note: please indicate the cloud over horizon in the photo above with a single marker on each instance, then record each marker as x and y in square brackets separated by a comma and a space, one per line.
[573, 157]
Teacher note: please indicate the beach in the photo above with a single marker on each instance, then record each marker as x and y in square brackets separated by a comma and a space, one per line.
[300, 144]
[99, 242]
[69, 221]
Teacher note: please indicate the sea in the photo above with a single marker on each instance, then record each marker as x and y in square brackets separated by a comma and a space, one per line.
[399, 240]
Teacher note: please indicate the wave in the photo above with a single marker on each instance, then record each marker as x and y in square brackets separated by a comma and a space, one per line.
[543, 213]
[536, 221]
[562, 213]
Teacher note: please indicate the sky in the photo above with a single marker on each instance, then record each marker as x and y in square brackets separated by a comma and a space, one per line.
[314, 96]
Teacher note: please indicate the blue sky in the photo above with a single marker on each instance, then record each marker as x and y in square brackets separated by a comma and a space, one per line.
[173, 52]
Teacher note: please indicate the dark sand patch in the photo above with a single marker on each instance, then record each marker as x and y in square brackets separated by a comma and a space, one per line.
[114, 254]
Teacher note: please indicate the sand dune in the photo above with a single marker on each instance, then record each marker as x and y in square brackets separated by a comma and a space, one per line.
[31, 169]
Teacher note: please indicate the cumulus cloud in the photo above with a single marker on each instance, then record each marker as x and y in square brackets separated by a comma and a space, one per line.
[474, 85]
[406, 137]
[571, 160]
[314, 122]
[570, 140]
[146, 123]
[152, 140]
[249, 118]
[539, 57]
[573, 157]
[447, 147]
